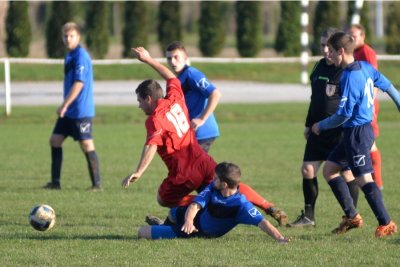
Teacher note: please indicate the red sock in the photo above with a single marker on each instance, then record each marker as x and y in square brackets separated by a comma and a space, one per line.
[254, 197]
[376, 164]
[184, 201]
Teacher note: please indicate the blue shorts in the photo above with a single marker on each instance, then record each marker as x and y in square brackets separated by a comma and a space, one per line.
[174, 231]
[354, 150]
[79, 129]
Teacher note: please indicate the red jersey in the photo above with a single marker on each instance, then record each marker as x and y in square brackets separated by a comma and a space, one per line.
[169, 128]
[366, 53]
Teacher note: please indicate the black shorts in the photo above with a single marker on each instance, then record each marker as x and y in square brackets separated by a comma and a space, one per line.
[354, 150]
[80, 129]
[318, 147]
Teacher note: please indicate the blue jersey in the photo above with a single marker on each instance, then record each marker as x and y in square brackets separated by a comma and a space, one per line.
[78, 67]
[221, 214]
[357, 86]
[197, 88]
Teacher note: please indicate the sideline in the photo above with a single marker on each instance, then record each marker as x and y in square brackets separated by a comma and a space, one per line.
[122, 92]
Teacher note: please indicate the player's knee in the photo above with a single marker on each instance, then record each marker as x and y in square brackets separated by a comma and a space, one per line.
[330, 171]
[308, 170]
[87, 145]
[144, 232]
[56, 140]
[161, 202]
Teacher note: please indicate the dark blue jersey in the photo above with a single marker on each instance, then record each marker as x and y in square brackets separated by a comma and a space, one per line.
[221, 214]
[197, 88]
[78, 67]
[217, 216]
[357, 86]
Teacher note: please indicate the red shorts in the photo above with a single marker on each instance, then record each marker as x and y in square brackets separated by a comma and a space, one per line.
[175, 188]
[374, 122]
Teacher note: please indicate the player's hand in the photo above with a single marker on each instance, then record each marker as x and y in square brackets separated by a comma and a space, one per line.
[315, 129]
[129, 179]
[61, 111]
[197, 123]
[141, 53]
[188, 227]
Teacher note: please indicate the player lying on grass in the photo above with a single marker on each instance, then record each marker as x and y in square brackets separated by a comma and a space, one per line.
[214, 212]
[170, 134]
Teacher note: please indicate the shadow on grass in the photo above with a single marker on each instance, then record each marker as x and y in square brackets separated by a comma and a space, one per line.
[395, 241]
[81, 237]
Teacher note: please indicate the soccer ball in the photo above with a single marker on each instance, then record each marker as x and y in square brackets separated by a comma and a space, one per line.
[42, 217]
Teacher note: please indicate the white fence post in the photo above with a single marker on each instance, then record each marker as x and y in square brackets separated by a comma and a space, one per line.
[304, 58]
[7, 85]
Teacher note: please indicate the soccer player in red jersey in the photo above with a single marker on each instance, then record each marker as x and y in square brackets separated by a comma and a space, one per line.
[170, 134]
[364, 52]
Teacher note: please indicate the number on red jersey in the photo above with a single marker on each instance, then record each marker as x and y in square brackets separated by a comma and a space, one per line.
[178, 118]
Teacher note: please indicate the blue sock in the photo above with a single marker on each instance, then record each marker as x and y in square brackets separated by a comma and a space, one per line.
[342, 194]
[375, 201]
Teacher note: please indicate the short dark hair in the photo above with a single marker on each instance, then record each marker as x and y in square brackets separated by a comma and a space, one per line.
[174, 46]
[228, 173]
[149, 88]
[342, 40]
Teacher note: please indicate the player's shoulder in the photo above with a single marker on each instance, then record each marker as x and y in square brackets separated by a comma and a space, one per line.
[242, 198]
[81, 53]
[369, 49]
[194, 72]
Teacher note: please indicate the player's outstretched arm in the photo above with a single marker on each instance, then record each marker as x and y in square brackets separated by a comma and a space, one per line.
[143, 55]
[394, 95]
[267, 227]
[147, 156]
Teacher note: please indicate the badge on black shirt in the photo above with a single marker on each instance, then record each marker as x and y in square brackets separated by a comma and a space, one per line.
[330, 89]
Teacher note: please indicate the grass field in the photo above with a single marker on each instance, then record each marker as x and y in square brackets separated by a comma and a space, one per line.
[100, 229]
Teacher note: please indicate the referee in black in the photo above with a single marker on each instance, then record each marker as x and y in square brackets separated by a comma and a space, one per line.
[325, 96]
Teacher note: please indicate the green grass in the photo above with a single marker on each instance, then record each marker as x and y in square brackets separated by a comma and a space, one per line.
[258, 72]
[100, 229]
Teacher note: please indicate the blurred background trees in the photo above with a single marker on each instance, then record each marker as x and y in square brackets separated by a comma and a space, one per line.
[135, 30]
[393, 29]
[211, 28]
[59, 13]
[18, 29]
[207, 28]
[287, 40]
[169, 27]
[97, 30]
[248, 32]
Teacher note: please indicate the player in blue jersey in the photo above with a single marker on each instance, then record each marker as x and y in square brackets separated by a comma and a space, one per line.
[201, 95]
[214, 212]
[76, 112]
[354, 113]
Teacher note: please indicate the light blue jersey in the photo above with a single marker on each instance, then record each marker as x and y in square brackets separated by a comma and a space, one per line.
[78, 67]
[197, 88]
[357, 86]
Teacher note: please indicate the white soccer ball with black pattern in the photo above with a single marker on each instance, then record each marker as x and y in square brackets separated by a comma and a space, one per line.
[42, 217]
